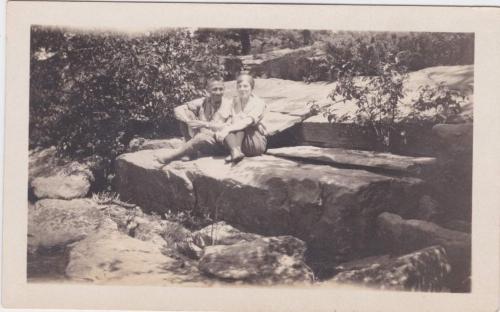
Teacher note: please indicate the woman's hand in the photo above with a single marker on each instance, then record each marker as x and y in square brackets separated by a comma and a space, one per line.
[221, 135]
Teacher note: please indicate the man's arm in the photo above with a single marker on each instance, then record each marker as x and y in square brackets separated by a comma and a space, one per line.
[185, 112]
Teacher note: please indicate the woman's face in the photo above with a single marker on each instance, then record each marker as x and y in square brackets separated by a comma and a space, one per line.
[244, 89]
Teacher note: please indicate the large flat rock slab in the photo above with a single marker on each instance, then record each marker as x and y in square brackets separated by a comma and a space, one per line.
[332, 209]
[355, 158]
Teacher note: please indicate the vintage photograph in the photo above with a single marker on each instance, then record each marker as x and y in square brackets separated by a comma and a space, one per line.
[195, 156]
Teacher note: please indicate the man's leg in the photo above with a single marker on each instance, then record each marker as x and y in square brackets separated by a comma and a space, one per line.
[233, 141]
[188, 133]
[197, 143]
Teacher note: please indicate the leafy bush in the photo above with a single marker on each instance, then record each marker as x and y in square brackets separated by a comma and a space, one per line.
[378, 98]
[90, 91]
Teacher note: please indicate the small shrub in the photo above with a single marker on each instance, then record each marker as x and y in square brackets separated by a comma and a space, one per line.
[378, 98]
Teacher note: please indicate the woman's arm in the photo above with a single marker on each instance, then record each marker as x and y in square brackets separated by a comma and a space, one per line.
[236, 126]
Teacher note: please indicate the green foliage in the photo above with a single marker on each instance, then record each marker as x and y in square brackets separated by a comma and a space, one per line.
[89, 90]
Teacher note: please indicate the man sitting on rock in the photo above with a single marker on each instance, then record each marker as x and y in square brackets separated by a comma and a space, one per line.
[201, 119]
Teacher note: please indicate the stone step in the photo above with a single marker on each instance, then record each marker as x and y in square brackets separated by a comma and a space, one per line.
[357, 159]
[332, 209]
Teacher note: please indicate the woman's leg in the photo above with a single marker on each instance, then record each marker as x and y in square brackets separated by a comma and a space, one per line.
[254, 143]
[233, 141]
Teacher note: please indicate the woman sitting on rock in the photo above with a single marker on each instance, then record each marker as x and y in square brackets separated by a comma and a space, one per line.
[244, 133]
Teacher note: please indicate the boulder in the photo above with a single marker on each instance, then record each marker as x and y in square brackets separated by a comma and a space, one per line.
[332, 209]
[422, 270]
[400, 235]
[51, 176]
[270, 260]
[56, 223]
[61, 186]
[109, 256]
[221, 233]
[358, 159]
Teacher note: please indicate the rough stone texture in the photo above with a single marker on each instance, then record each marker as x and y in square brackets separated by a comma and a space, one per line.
[456, 138]
[109, 256]
[56, 223]
[423, 270]
[61, 186]
[270, 260]
[401, 235]
[221, 233]
[453, 180]
[332, 209]
[428, 209]
[355, 158]
[50, 176]
[138, 144]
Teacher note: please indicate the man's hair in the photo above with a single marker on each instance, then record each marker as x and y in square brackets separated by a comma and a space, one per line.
[213, 79]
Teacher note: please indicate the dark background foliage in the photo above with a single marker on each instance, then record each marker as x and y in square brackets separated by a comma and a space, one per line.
[91, 92]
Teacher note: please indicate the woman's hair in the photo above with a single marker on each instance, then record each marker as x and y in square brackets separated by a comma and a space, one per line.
[246, 77]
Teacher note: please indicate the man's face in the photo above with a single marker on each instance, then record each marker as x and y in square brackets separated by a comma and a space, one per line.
[216, 90]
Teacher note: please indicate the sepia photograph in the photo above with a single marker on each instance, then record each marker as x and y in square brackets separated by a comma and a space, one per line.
[207, 157]
[261, 156]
